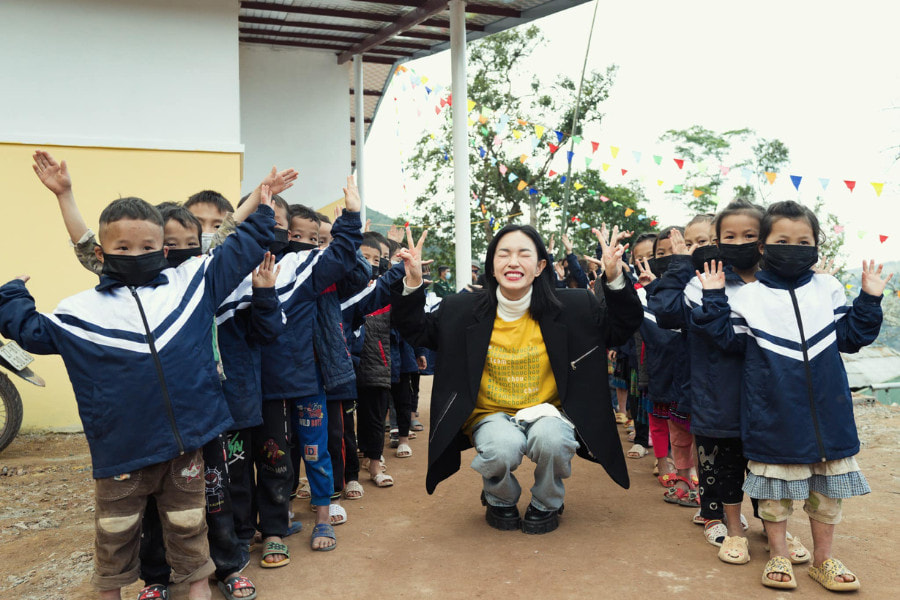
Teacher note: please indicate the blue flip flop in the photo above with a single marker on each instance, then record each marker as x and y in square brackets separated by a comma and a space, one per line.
[323, 530]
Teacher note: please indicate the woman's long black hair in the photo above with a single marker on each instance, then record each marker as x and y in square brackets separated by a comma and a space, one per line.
[543, 289]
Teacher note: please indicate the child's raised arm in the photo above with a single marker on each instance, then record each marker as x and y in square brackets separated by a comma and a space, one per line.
[56, 178]
[858, 325]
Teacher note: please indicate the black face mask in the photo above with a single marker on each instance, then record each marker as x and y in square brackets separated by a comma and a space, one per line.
[703, 255]
[177, 256]
[294, 246]
[384, 266]
[740, 256]
[281, 241]
[659, 265]
[790, 261]
[135, 270]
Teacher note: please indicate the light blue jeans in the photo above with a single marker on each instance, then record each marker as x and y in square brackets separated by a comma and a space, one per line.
[549, 442]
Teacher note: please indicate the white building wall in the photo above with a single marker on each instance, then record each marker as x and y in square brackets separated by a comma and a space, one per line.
[295, 112]
[121, 73]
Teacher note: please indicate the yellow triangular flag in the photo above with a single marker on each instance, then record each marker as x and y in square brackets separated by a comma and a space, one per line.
[522, 185]
[471, 105]
[517, 134]
[470, 122]
[629, 212]
[771, 177]
[424, 79]
[878, 188]
[605, 167]
[523, 158]
[539, 131]
[659, 182]
[432, 135]
[614, 151]
[698, 193]
[577, 185]
[554, 205]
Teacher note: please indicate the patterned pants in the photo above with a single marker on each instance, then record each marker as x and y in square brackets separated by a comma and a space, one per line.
[722, 468]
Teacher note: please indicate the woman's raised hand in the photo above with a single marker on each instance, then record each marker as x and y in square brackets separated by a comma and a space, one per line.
[712, 279]
[412, 259]
[611, 250]
[872, 281]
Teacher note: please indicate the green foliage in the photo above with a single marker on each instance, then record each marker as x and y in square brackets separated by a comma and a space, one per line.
[498, 65]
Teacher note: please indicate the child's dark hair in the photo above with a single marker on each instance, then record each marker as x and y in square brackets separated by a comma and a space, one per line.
[130, 208]
[167, 205]
[665, 234]
[701, 218]
[393, 247]
[210, 197]
[374, 235]
[371, 243]
[323, 219]
[299, 211]
[788, 209]
[738, 206]
[182, 215]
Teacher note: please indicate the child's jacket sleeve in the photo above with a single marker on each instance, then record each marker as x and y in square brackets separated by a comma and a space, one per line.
[84, 252]
[239, 254]
[356, 280]
[577, 272]
[20, 320]
[666, 300]
[856, 325]
[267, 320]
[714, 320]
[373, 297]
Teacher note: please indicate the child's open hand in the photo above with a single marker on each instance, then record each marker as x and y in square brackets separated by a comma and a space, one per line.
[645, 275]
[872, 281]
[611, 250]
[280, 181]
[826, 267]
[267, 273]
[265, 196]
[412, 258]
[53, 175]
[351, 196]
[395, 233]
[679, 246]
[567, 244]
[712, 279]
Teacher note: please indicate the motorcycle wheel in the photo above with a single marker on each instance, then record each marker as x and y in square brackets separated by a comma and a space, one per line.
[10, 411]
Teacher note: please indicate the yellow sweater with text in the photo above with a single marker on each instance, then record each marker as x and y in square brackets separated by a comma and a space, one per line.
[517, 372]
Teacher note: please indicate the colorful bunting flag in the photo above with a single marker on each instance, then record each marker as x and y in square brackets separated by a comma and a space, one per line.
[629, 212]
[532, 191]
[563, 179]
[698, 193]
[883, 238]
[544, 199]
[678, 188]
[624, 172]
[577, 185]
[552, 173]
[594, 145]
[503, 169]
[614, 151]
[512, 177]
[587, 161]
[553, 148]
[824, 182]
[746, 174]
[636, 155]
[522, 122]
[850, 184]
[654, 223]
[523, 158]
[517, 134]
[605, 166]
[522, 185]
[437, 110]
[770, 175]
[604, 199]
[795, 179]
[657, 159]
[569, 156]
[559, 136]
[659, 182]
[724, 170]
[878, 188]
[679, 162]
[576, 139]
[539, 131]
[839, 229]
[482, 151]
[470, 104]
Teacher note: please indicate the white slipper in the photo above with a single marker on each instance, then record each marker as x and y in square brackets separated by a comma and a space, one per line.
[336, 510]
[353, 486]
[403, 451]
[637, 449]
[382, 480]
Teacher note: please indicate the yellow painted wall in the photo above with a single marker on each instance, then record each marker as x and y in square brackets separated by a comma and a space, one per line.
[33, 239]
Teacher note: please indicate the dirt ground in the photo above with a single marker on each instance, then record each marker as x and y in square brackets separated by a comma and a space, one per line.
[401, 543]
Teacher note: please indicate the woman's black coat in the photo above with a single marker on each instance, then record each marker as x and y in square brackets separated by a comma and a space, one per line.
[576, 338]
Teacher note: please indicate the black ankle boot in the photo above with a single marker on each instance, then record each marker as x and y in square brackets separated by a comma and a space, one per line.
[538, 521]
[504, 518]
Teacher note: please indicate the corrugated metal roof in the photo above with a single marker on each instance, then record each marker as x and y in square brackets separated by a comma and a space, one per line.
[872, 364]
[343, 27]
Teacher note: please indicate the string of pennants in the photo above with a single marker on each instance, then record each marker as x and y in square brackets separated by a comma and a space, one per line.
[486, 120]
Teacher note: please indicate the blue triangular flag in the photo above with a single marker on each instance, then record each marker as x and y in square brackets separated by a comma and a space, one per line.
[532, 191]
[637, 156]
[504, 119]
[512, 177]
[562, 179]
[795, 179]
[427, 90]
[493, 162]
[535, 142]
[559, 136]
[569, 155]
[482, 151]
[824, 182]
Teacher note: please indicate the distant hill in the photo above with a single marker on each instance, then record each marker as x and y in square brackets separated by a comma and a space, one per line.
[380, 221]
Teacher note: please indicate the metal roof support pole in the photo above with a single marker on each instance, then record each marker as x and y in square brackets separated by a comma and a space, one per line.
[460, 143]
[360, 114]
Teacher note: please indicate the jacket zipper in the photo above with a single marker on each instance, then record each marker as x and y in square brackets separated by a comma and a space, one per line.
[575, 362]
[159, 372]
[809, 384]
[441, 418]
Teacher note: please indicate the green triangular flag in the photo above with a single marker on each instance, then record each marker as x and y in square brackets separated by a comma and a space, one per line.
[678, 188]
[657, 159]
[577, 139]
[484, 131]
[544, 200]
[587, 161]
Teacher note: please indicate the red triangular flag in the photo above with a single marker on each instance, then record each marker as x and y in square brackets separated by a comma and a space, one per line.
[443, 102]
[595, 145]
[553, 148]
[654, 223]
[679, 162]
[449, 99]
[624, 171]
[552, 173]
[437, 110]
[883, 238]
[850, 184]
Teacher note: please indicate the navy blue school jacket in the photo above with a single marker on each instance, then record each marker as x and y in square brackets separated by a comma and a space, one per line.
[666, 356]
[140, 360]
[795, 400]
[289, 364]
[715, 376]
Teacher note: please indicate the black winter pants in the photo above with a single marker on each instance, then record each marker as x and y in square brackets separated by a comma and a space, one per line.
[372, 409]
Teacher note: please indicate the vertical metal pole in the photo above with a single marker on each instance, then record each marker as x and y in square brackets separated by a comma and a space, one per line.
[462, 220]
[360, 115]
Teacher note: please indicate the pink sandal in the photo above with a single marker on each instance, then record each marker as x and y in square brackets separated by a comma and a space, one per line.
[681, 497]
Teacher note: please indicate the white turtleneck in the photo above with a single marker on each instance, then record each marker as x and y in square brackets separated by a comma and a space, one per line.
[510, 310]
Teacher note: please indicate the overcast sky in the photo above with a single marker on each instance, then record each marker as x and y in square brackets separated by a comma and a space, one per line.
[822, 77]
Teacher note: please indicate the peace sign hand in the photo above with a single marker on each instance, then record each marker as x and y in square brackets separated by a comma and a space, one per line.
[412, 259]
[645, 275]
[712, 279]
